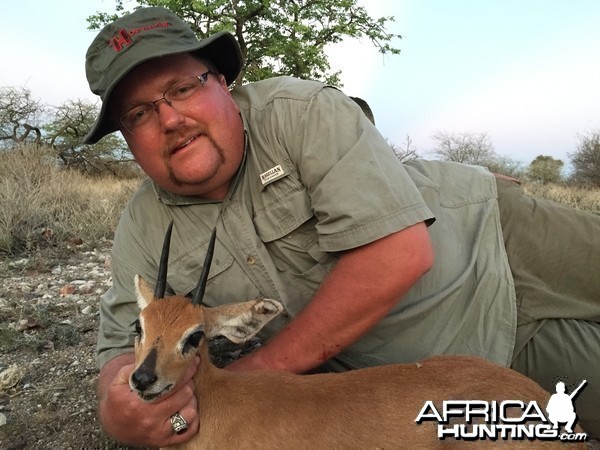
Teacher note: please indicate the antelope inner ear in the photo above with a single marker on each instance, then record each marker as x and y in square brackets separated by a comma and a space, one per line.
[239, 322]
[143, 292]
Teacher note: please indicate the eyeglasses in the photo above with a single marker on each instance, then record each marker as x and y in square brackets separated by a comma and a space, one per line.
[177, 96]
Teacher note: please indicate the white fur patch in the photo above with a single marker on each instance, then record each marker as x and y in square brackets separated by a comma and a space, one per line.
[140, 287]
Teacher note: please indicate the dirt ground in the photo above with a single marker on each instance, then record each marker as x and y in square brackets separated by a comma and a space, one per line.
[49, 317]
[48, 322]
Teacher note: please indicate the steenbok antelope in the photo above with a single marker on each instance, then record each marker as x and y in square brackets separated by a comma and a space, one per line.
[369, 408]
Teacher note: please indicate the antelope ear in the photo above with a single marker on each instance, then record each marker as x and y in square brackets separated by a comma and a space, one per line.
[239, 322]
[143, 292]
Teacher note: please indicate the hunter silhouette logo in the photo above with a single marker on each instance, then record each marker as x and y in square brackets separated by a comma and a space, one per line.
[560, 407]
[471, 420]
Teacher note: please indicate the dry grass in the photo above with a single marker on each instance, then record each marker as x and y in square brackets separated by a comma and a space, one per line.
[580, 197]
[43, 206]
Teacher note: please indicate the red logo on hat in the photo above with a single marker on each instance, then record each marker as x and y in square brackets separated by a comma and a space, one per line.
[123, 37]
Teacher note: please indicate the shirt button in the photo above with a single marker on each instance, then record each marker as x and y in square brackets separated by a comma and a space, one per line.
[251, 260]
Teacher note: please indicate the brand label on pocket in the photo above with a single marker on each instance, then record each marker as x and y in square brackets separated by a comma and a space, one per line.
[271, 174]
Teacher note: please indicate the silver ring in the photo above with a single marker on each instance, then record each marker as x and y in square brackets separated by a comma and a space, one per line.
[178, 423]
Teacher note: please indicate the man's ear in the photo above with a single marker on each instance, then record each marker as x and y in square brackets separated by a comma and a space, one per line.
[239, 322]
[222, 81]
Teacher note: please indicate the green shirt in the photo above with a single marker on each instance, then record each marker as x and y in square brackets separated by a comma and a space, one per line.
[317, 179]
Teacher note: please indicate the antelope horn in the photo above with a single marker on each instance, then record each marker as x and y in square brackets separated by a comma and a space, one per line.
[161, 282]
[199, 291]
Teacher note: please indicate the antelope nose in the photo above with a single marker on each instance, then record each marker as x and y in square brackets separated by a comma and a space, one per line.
[142, 379]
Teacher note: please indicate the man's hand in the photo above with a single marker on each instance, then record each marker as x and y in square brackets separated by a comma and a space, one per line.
[130, 420]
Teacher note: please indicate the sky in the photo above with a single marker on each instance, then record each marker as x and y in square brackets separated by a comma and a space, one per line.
[526, 72]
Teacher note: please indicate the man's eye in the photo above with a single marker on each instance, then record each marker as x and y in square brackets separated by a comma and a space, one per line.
[183, 91]
[137, 115]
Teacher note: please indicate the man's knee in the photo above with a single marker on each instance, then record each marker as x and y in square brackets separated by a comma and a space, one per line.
[567, 351]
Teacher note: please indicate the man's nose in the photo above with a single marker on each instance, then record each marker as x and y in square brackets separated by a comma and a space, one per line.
[168, 115]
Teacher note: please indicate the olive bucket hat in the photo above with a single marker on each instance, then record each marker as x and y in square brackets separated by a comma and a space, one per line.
[146, 34]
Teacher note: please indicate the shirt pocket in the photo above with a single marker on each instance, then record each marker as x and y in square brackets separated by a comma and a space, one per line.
[284, 205]
[184, 271]
[287, 227]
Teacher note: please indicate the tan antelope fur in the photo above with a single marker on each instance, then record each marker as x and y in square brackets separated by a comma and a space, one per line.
[368, 408]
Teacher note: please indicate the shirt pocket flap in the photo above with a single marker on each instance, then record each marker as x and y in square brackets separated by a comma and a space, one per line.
[184, 272]
[283, 214]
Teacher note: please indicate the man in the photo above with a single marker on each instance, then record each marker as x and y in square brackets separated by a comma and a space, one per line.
[313, 209]
[560, 407]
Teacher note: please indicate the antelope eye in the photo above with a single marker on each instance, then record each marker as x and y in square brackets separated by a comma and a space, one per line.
[137, 327]
[192, 341]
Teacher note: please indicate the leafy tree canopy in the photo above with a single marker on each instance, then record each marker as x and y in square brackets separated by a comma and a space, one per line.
[277, 37]
[586, 159]
[545, 169]
[24, 120]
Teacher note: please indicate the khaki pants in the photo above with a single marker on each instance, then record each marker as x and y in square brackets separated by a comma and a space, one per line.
[554, 254]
